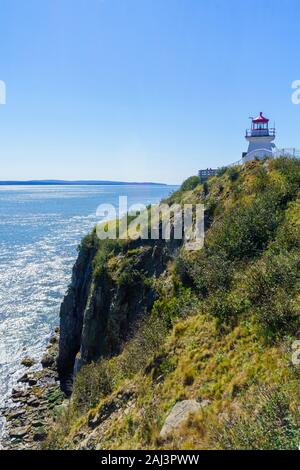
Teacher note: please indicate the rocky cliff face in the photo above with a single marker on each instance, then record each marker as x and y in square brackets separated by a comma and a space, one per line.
[99, 311]
[71, 313]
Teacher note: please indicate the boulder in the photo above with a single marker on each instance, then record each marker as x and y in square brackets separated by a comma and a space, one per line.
[24, 378]
[18, 433]
[53, 340]
[33, 401]
[15, 414]
[18, 393]
[179, 413]
[47, 360]
[40, 434]
[32, 381]
[28, 361]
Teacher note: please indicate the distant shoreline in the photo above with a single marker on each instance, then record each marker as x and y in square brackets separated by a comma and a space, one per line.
[77, 183]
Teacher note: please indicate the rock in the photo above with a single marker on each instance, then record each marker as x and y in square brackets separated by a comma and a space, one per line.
[179, 413]
[36, 423]
[26, 423]
[15, 414]
[43, 408]
[110, 407]
[33, 402]
[32, 381]
[160, 378]
[18, 433]
[87, 303]
[58, 409]
[40, 434]
[23, 379]
[105, 411]
[53, 339]
[18, 393]
[66, 384]
[47, 360]
[79, 437]
[28, 361]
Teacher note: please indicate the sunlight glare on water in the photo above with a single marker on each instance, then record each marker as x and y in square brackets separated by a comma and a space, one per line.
[40, 228]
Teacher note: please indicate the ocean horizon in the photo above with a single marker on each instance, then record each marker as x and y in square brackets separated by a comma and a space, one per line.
[53, 182]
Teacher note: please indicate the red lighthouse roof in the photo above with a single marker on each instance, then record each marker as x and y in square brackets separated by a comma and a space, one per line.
[260, 118]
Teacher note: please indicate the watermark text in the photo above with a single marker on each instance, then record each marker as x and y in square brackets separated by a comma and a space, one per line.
[2, 92]
[296, 93]
[296, 353]
[157, 221]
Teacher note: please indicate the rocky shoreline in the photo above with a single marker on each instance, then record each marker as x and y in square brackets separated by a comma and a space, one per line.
[33, 403]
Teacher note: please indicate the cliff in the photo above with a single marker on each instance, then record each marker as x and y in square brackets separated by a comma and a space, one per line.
[111, 289]
[174, 349]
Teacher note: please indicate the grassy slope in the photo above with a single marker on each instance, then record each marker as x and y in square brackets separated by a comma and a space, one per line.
[221, 330]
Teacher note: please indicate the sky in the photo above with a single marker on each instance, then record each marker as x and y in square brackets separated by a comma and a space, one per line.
[142, 90]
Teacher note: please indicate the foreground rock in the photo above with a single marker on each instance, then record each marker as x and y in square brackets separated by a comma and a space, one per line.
[32, 405]
[48, 360]
[179, 413]
[28, 361]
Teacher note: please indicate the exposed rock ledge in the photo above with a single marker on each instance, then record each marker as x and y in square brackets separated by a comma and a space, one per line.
[98, 314]
[30, 409]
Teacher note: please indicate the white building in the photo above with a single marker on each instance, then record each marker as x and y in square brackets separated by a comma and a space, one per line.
[260, 138]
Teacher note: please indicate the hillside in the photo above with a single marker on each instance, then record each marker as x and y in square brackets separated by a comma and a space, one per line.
[149, 324]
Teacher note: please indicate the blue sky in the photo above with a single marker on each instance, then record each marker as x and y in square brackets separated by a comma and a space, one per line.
[148, 90]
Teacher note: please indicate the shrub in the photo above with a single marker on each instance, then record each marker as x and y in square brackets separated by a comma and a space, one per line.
[273, 284]
[205, 188]
[89, 242]
[169, 308]
[130, 277]
[93, 382]
[288, 236]
[105, 249]
[261, 180]
[233, 173]
[221, 171]
[149, 423]
[227, 307]
[206, 272]
[150, 333]
[146, 342]
[289, 169]
[274, 426]
[190, 183]
[246, 230]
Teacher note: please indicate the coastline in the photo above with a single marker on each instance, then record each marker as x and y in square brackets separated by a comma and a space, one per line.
[32, 403]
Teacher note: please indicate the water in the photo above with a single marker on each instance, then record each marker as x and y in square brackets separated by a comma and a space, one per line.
[40, 228]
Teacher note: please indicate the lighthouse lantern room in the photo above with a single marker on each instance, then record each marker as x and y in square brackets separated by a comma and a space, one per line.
[260, 138]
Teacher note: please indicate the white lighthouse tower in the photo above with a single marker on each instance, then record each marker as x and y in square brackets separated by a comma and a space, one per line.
[260, 138]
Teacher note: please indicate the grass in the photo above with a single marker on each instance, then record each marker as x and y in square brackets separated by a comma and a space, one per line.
[220, 330]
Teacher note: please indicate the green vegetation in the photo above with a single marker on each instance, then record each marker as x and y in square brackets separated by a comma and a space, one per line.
[221, 328]
[190, 183]
[274, 426]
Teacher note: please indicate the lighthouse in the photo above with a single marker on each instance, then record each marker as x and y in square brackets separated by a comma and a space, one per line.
[260, 138]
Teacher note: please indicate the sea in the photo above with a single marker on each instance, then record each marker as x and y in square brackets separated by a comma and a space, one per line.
[40, 229]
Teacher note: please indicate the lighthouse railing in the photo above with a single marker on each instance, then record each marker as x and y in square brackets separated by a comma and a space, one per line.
[287, 152]
[277, 153]
[261, 132]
